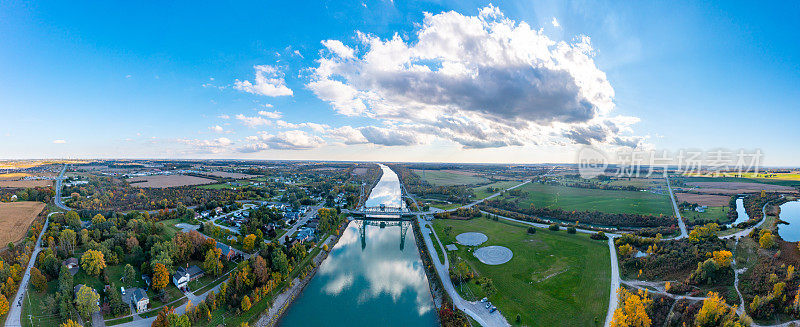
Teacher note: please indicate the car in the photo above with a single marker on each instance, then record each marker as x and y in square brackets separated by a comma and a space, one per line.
[483, 300]
[488, 305]
[493, 309]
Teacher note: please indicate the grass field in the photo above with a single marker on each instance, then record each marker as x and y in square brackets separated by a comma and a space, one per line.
[481, 192]
[554, 278]
[163, 181]
[773, 181]
[584, 199]
[16, 217]
[719, 214]
[447, 178]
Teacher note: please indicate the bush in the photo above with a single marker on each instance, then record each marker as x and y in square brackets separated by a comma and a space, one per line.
[571, 230]
[531, 230]
[554, 227]
[599, 236]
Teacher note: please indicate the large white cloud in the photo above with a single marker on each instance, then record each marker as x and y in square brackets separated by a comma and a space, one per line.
[480, 81]
[269, 81]
[288, 140]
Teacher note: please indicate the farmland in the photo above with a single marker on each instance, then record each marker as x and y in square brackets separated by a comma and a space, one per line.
[483, 191]
[550, 272]
[26, 183]
[585, 199]
[15, 217]
[224, 174]
[449, 177]
[163, 181]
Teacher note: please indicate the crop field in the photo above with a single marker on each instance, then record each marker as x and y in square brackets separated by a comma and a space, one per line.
[719, 214]
[13, 176]
[26, 184]
[736, 187]
[449, 177]
[703, 199]
[771, 181]
[584, 199]
[163, 181]
[482, 191]
[16, 217]
[553, 279]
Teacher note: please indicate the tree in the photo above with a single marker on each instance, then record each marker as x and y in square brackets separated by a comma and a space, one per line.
[767, 240]
[625, 250]
[129, 275]
[531, 230]
[260, 269]
[279, 262]
[212, 264]
[723, 258]
[93, 262]
[161, 319]
[72, 219]
[487, 286]
[553, 227]
[70, 323]
[715, 312]
[249, 242]
[160, 276]
[38, 280]
[245, 303]
[3, 305]
[86, 301]
[632, 309]
[67, 239]
[98, 219]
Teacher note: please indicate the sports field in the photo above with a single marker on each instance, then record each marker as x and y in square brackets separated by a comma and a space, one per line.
[482, 191]
[449, 177]
[585, 199]
[553, 279]
[16, 217]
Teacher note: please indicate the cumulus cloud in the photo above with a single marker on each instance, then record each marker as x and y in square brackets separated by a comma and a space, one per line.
[271, 114]
[217, 129]
[269, 81]
[224, 116]
[288, 140]
[59, 141]
[479, 81]
[555, 22]
[319, 128]
[254, 121]
[347, 135]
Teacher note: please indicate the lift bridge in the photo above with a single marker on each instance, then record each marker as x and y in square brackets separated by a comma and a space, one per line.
[382, 223]
[383, 212]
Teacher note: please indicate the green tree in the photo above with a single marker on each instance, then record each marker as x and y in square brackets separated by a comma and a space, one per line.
[280, 262]
[38, 280]
[212, 264]
[86, 301]
[129, 275]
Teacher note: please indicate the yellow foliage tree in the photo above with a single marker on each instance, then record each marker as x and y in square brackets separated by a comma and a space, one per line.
[246, 303]
[625, 250]
[160, 276]
[632, 309]
[3, 305]
[723, 258]
[715, 312]
[767, 240]
[93, 262]
[249, 242]
[70, 323]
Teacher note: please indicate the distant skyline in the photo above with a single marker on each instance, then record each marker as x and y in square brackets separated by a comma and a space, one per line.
[444, 81]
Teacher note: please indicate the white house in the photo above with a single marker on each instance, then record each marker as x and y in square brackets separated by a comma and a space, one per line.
[183, 276]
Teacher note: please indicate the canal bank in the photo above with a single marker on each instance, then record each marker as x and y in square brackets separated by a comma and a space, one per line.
[372, 276]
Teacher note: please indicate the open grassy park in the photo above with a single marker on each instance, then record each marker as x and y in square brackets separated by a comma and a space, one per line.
[553, 279]
[449, 178]
[587, 199]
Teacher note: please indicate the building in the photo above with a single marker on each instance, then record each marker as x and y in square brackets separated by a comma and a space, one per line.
[305, 235]
[183, 276]
[72, 265]
[227, 251]
[136, 297]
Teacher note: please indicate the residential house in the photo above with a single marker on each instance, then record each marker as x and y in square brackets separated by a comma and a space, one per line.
[227, 251]
[72, 265]
[136, 297]
[183, 276]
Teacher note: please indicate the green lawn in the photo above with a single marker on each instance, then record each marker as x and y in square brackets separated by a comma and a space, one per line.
[586, 199]
[554, 278]
[718, 214]
[445, 178]
[216, 186]
[33, 308]
[445, 206]
[482, 193]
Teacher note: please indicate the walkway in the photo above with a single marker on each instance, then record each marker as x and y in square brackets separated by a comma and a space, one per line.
[681, 224]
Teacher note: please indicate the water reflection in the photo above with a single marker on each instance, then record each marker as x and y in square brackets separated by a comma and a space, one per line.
[372, 277]
[742, 214]
[790, 213]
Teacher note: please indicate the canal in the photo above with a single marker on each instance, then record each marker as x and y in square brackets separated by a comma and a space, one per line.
[372, 277]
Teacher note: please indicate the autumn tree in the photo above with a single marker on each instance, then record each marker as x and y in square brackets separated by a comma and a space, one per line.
[625, 250]
[260, 269]
[767, 240]
[70, 323]
[98, 219]
[715, 312]
[246, 303]
[723, 258]
[632, 309]
[86, 301]
[3, 305]
[212, 264]
[93, 262]
[249, 242]
[38, 280]
[67, 239]
[160, 276]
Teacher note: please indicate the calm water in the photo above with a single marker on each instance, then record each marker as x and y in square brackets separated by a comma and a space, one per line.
[372, 277]
[742, 213]
[790, 212]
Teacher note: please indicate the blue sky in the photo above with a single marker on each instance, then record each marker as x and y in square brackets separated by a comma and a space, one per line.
[154, 80]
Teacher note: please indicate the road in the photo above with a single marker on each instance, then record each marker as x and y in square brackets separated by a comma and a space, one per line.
[15, 313]
[681, 224]
[300, 222]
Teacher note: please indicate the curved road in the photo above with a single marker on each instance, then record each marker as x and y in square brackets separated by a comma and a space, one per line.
[15, 313]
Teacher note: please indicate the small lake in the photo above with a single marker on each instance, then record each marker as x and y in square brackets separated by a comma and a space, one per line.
[790, 212]
[372, 277]
[741, 212]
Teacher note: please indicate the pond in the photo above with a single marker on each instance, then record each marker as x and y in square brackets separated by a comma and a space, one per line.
[790, 212]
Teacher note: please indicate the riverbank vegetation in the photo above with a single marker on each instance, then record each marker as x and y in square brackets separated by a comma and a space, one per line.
[550, 272]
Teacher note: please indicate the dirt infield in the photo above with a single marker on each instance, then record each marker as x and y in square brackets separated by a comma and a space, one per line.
[26, 184]
[704, 199]
[16, 217]
[163, 181]
[225, 174]
[737, 187]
